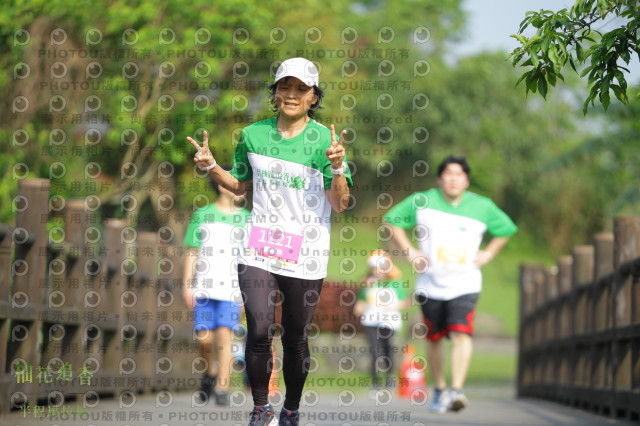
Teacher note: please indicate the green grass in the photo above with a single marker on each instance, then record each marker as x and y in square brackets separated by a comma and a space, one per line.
[487, 370]
[492, 368]
[488, 366]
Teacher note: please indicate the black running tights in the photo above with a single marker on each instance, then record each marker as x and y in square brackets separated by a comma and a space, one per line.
[299, 298]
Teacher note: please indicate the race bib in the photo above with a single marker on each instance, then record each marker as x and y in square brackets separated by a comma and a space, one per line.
[452, 257]
[275, 244]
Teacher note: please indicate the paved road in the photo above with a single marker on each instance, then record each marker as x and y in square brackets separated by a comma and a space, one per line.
[489, 406]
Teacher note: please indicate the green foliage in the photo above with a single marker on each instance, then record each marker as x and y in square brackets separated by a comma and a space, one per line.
[168, 71]
[372, 53]
[567, 37]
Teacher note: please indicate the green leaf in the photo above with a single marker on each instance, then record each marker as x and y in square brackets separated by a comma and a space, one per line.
[545, 44]
[534, 59]
[553, 57]
[625, 57]
[521, 39]
[563, 47]
[586, 71]
[542, 86]
[620, 94]
[579, 52]
[604, 86]
[524, 24]
[590, 99]
[532, 83]
[603, 8]
[620, 77]
[606, 100]
[551, 78]
[521, 78]
[610, 41]
[528, 82]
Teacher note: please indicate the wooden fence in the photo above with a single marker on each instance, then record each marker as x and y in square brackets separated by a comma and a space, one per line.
[580, 326]
[97, 300]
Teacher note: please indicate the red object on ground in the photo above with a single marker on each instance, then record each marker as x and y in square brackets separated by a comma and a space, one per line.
[412, 374]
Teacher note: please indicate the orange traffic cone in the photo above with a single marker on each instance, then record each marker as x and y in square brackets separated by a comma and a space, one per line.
[412, 374]
[273, 380]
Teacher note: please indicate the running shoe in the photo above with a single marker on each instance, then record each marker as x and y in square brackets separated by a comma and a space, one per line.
[289, 418]
[440, 401]
[458, 400]
[263, 416]
[222, 398]
[206, 387]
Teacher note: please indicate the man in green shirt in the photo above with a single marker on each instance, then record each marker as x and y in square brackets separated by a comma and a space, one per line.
[450, 223]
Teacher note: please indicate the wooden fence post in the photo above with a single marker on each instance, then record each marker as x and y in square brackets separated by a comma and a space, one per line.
[580, 352]
[146, 306]
[5, 306]
[114, 286]
[625, 306]
[28, 270]
[527, 292]
[24, 302]
[600, 305]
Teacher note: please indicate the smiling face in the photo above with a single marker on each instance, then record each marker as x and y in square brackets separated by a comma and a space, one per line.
[294, 98]
[453, 181]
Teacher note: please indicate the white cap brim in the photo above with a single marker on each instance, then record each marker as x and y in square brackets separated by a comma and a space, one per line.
[300, 68]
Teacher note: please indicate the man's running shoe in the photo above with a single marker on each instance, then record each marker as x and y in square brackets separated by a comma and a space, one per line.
[458, 400]
[440, 401]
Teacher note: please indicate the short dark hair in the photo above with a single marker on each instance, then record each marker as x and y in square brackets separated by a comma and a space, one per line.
[452, 159]
[312, 111]
[214, 183]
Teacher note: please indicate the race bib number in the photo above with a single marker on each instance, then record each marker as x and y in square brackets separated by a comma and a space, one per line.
[275, 244]
[452, 257]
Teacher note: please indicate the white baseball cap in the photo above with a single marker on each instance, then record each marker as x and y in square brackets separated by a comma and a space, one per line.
[300, 68]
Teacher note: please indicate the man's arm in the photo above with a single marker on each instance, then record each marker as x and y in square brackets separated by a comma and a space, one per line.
[493, 248]
[417, 259]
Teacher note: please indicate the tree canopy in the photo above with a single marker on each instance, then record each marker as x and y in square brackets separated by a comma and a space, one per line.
[100, 99]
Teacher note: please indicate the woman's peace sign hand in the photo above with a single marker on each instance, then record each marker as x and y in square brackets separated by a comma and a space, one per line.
[335, 154]
[204, 157]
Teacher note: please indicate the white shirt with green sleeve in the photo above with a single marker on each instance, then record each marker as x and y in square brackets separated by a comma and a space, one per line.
[450, 237]
[214, 234]
[290, 224]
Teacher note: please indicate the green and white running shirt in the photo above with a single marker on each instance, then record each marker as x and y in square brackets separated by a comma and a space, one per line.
[288, 231]
[383, 304]
[215, 234]
[450, 238]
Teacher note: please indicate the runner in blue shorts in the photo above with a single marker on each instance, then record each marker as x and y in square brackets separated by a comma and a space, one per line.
[211, 287]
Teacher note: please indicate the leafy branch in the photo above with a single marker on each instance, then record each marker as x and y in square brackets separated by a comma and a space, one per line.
[567, 37]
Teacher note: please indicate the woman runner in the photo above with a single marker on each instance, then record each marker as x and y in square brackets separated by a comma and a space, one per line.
[297, 170]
